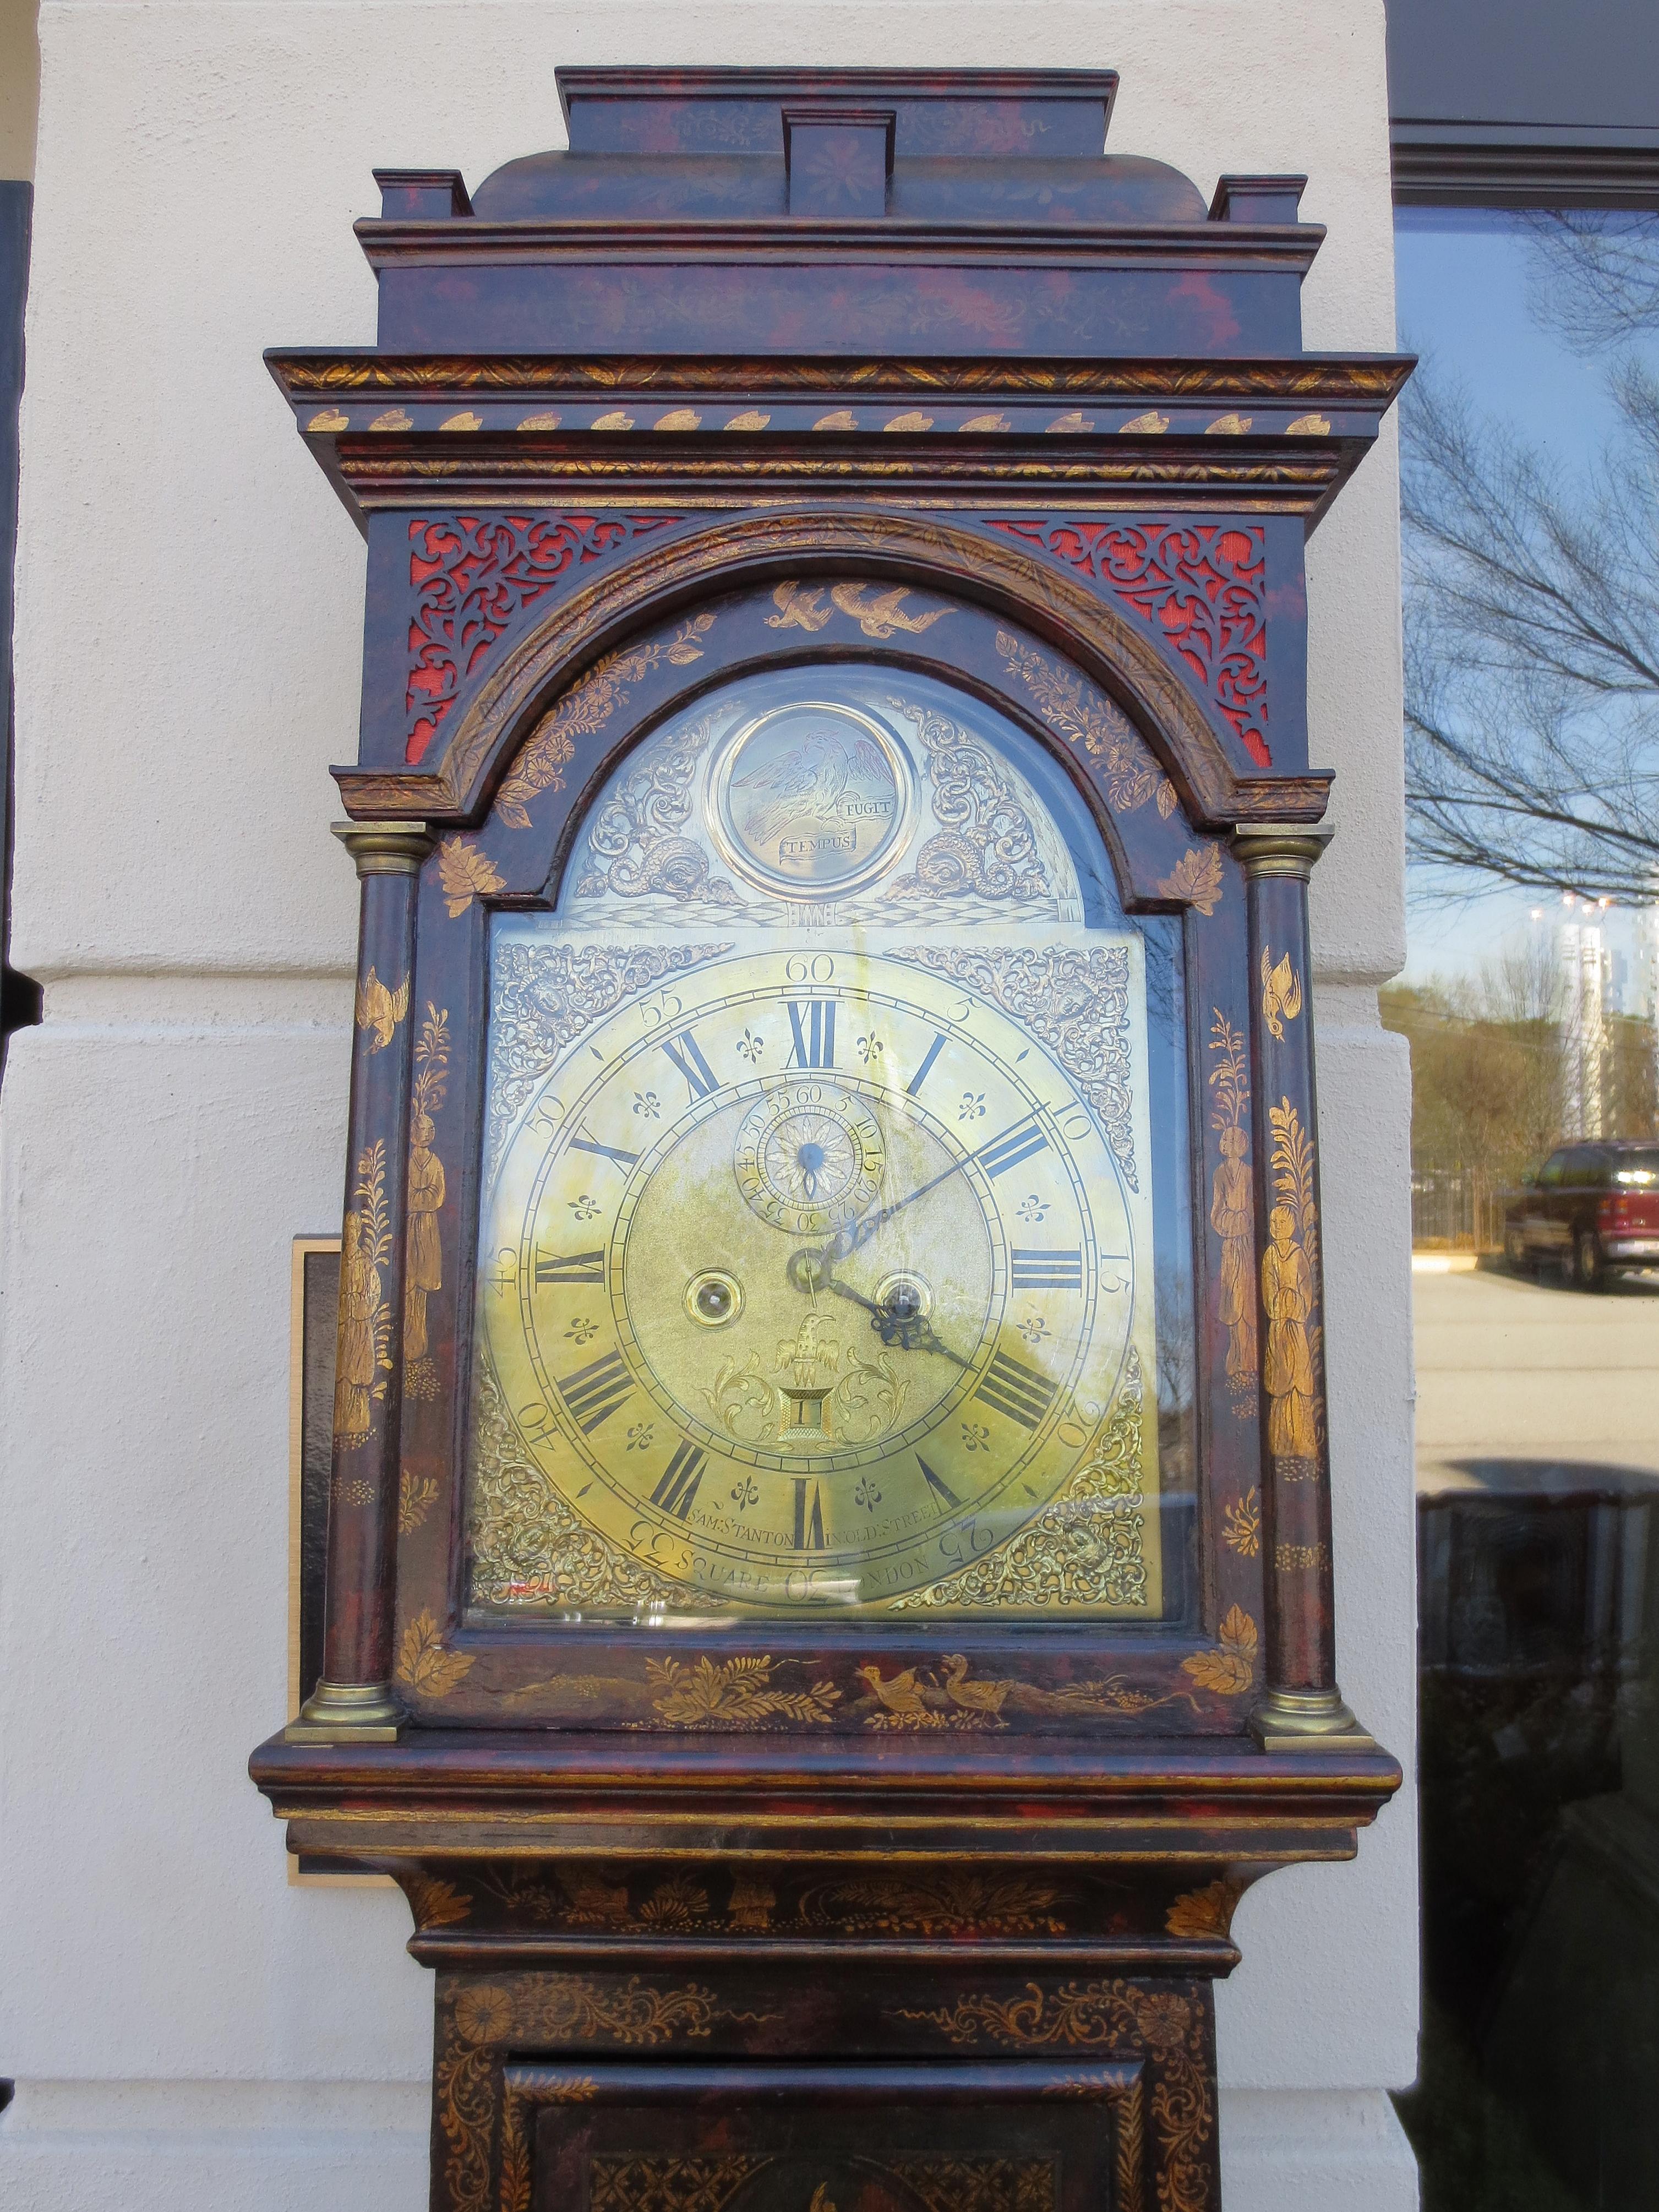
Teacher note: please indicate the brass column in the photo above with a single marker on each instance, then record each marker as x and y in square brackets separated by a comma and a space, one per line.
[1302, 1708]
[353, 1701]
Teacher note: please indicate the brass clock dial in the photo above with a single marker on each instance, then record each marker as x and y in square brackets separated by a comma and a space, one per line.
[810, 1280]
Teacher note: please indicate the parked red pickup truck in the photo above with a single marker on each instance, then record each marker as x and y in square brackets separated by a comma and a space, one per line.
[1592, 1210]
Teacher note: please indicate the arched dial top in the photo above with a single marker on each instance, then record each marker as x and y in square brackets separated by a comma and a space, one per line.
[814, 1280]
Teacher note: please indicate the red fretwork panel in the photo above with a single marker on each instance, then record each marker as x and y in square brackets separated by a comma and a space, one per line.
[1203, 587]
[471, 574]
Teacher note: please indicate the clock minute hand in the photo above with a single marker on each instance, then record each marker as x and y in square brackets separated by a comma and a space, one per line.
[860, 1232]
[849, 1240]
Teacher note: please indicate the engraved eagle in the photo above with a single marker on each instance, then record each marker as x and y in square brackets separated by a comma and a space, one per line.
[381, 1010]
[807, 783]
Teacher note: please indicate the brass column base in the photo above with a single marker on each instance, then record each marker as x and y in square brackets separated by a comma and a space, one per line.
[346, 1712]
[1307, 1719]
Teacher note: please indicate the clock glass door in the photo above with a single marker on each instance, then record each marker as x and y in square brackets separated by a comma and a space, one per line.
[831, 1250]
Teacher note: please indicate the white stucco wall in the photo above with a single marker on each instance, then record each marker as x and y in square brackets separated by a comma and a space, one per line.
[186, 2029]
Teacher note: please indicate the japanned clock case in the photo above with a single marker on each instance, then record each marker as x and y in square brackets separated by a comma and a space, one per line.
[829, 1585]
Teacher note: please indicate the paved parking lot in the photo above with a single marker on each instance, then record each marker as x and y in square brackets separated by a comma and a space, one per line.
[1526, 1370]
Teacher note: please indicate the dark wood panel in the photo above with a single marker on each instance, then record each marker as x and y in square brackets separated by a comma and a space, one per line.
[891, 2138]
[1083, 2096]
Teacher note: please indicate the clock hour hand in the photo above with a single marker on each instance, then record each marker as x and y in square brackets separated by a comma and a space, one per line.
[918, 1335]
[911, 1330]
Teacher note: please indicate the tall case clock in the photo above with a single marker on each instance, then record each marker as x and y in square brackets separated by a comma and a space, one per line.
[828, 1575]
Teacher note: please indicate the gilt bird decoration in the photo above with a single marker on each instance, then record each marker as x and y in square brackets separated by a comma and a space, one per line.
[381, 1010]
[799, 606]
[973, 1697]
[901, 1695]
[880, 615]
[1281, 993]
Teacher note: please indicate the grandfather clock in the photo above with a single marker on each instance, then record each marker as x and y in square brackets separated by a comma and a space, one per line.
[829, 1583]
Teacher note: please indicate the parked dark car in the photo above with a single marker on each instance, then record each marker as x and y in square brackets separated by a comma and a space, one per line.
[1592, 1210]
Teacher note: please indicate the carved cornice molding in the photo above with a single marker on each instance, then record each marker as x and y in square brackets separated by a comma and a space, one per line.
[447, 431]
[466, 473]
[487, 473]
[1371, 382]
[833, 242]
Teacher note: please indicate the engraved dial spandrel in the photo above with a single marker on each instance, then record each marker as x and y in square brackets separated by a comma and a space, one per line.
[823, 1283]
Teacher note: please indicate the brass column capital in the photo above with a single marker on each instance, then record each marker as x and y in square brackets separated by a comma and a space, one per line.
[1280, 848]
[385, 848]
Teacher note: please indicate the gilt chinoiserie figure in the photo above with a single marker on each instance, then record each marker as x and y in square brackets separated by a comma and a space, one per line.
[829, 1585]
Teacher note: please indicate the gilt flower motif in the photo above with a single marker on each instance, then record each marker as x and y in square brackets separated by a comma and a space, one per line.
[484, 2016]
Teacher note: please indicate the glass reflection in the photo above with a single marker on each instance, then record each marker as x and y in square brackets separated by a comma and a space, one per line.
[766, 1319]
[1530, 1001]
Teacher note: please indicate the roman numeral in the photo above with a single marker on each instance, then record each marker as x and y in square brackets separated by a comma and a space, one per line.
[624, 1160]
[1030, 1269]
[687, 1055]
[809, 1519]
[677, 1490]
[1016, 1390]
[593, 1393]
[941, 1490]
[921, 1075]
[814, 1028]
[569, 1268]
[1008, 1150]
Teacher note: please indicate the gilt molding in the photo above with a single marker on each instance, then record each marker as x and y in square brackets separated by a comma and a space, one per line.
[1373, 381]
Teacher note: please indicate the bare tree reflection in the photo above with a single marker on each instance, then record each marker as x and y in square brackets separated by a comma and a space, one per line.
[1532, 607]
